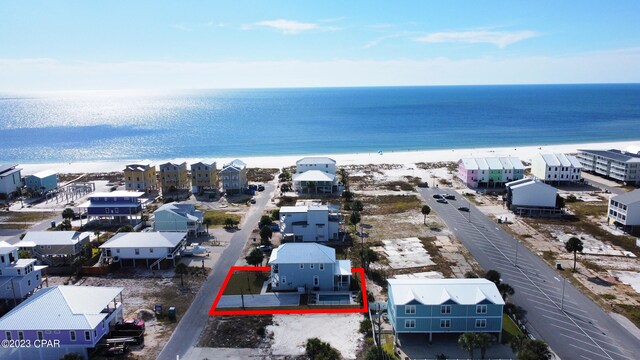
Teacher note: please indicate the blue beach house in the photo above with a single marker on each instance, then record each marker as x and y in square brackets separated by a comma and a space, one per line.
[310, 266]
[118, 206]
[431, 306]
[42, 182]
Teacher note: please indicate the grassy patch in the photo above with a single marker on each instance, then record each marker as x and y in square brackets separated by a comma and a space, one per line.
[509, 328]
[31, 216]
[593, 266]
[397, 185]
[549, 255]
[390, 204]
[632, 312]
[472, 197]
[245, 282]
[217, 217]
[609, 296]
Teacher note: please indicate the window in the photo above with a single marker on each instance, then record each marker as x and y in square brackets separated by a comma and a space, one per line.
[481, 309]
[321, 266]
[20, 335]
[72, 335]
[87, 335]
[137, 251]
[150, 250]
[311, 266]
[316, 281]
[40, 336]
[301, 266]
[445, 323]
[284, 279]
[410, 309]
[445, 309]
[481, 323]
[8, 335]
[409, 323]
[118, 251]
[28, 282]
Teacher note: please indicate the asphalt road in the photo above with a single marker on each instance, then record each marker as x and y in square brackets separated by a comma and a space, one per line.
[194, 320]
[573, 325]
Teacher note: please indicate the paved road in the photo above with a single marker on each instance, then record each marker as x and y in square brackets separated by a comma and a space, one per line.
[194, 320]
[575, 328]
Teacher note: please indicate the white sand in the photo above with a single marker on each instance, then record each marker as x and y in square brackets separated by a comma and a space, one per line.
[397, 157]
[291, 332]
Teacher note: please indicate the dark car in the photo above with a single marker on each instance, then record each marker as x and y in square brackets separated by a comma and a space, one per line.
[450, 197]
[437, 196]
[442, 201]
[260, 187]
[423, 185]
[253, 201]
[265, 248]
[463, 208]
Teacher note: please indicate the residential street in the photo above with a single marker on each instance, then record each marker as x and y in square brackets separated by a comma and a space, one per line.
[194, 320]
[573, 326]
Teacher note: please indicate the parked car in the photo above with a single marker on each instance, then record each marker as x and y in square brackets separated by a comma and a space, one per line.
[442, 201]
[450, 197]
[463, 208]
[437, 196]
[253, 201]
[260, 187]
[265, 248]
[423, 185]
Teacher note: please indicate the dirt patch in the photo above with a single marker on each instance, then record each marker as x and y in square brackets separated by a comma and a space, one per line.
[236, 332]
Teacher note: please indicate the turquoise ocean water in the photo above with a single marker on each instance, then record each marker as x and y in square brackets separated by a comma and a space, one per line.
[66, 127]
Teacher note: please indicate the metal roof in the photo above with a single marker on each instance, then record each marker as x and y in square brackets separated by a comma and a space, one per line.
[183, 210]
[439, 291]
[482, 164]
[61, 308]
[235, 165]
[6, 248]
[211, 163]
[469, 163]
[614, 155]
[628, 197]
[315, 160]
[343, 267]
[170, 164]
[574, 161]
[138, 167]
[494, 163]
[121, 193]
[44, 173]
[51, 238]
[313, 175]
[6, 167]
[517, 163]
[296, 253]
[145, 239]
[303, 208]
[550, 159]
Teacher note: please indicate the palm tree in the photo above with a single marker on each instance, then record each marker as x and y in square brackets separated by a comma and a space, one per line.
[493, 276]
[534, 350]
[574, 245]
[255, 257]
[518, 342]
[505, 290]
[425, 211]
[483, 341]
[354, 219]
[468, 342]
[67, 213]
[181, 269]
[207, 221]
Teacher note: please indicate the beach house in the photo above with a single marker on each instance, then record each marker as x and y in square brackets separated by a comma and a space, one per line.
[308, 266]
[140, 177]
[42, 182]
[174, 177]
[204, 176]
[530, 197]
[234, 177]
[556, 168]
[117, 206]
[624, 210]
[315, 175]
[10, 180]
[19, 278]
[623, 166]
[310, 220]
[154, 249]
[55, 247]
[178, 217]
[61, 320]
[432, 306]
[490, 171]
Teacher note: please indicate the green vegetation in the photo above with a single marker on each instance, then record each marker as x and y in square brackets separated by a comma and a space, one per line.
[509, 329]
[255, 257]
[574, 245]
[245, 282]
[261, 175]
[265, 235]
[632, 312]
[397, 185]
[21, 220]
[425, 210]
[319, 350]
[218, 217]
[390, 204]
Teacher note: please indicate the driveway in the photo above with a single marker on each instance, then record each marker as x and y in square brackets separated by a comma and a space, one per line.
[256, 300]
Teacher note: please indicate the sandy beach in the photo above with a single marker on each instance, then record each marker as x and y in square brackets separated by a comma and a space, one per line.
[394, 157]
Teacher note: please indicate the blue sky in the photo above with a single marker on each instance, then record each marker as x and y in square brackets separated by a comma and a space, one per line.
[75, 45]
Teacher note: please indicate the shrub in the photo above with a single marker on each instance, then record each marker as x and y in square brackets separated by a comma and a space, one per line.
[320, 350]
[365, 327]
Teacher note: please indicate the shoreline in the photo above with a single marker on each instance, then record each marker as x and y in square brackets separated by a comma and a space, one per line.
[393, 157]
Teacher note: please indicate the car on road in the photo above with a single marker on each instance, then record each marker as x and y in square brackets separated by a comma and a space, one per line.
[260, 187]
[463, 208]
[265, 248]
[442, 201]
[253, 201]
[437, 196]
[450, 197]
[423, 185]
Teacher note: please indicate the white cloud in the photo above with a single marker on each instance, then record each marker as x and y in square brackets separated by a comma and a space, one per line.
[611, 66]
[284, 26]
[500, 39]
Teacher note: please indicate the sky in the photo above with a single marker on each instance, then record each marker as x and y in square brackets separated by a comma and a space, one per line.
[94, 45]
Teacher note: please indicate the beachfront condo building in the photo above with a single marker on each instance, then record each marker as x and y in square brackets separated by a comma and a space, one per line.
[310, 221]
[42, 182]
[618, 165]
[489, 172]
[315, 175]
[140, 177]
[435, 306]
[174, 177]
[234, 177]
[204, 176]
[10, 180]
[556, 168]
[624, 210]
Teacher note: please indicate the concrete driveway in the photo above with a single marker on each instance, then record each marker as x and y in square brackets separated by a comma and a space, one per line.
[255, 300]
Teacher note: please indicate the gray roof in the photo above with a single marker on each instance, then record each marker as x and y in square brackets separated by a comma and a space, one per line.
[494, 163]
[34, 238]
[145, 239]
[315, 160]
[211, 163]
[44, 173]
[469, 163]
[628, 197]
[235, 166]
[6, 169]
[119, 193]
[61, 308]
[296, 253]
[185, 210]
[614, 155]
[439, 291]
[138, 167]
[313, 175]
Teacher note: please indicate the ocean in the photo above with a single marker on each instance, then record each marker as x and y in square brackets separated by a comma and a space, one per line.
[70, 127]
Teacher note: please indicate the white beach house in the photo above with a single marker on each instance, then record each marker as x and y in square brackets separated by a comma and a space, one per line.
[316, 175]
[311, 221]
[556, 168]
[155, 249]
[624, 209]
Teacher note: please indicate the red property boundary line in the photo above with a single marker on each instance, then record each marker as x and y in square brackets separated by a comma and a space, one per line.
[213, 312]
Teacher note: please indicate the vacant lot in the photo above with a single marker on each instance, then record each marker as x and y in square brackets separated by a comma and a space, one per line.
[218, 216]
[246, 282]
[389, 204]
